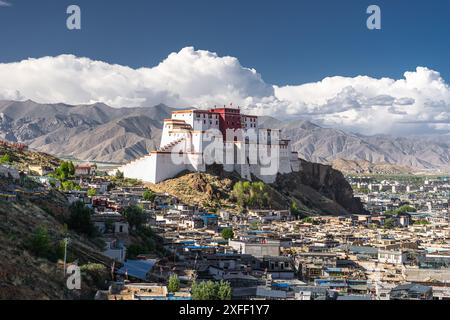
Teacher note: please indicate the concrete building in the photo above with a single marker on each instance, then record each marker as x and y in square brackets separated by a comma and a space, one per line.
[115, 250]
[110, 223]
[392, 257]
[85, 169]
[411, 291]
[40, 170]
[257, 249]
[404, 219]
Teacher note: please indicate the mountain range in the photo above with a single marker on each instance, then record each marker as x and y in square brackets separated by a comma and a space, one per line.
[100, 133]
[326, 145]
[94, 132]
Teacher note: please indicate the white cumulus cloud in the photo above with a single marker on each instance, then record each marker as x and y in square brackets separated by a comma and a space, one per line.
[369, 105]
[418, 102]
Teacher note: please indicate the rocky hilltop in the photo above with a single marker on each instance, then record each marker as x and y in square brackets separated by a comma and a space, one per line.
[317, 189]
[321, 188]
[23, 158]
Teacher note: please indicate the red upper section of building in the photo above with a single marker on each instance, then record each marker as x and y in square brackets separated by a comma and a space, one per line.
[228, 118]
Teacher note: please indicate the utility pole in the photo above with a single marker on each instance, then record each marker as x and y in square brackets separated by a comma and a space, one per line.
[113, 267]
[66, 242]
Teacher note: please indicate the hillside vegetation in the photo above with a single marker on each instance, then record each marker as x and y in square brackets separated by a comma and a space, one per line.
[366, 167]
[317, 189]
[23, 158]
[31, 250]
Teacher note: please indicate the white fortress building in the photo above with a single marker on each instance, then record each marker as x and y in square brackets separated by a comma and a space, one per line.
[193, 139]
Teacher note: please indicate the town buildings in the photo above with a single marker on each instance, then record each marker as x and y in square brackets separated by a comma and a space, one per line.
[272, 254]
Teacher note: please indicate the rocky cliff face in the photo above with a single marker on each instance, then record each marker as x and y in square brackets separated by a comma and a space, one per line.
[332, 184]
[320, 188]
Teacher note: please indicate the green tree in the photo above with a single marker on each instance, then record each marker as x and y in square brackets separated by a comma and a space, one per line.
[174, 283]
[422, 222]
[239, 193]
[259, 195]
[92, 192]
[135, 216]
[251, 194]
[402, 209]
[5, 159]
[80, 219]
[69, 186]
[39, 243]
[405, 209]
[294, 209]
[203, 291]
[71, 168]
[149, 195]
[308, 220]
[227, 233]
[389, 223]
[119, 175]
[224, 291]
[390, 213]
[65, 170]
[209, 290]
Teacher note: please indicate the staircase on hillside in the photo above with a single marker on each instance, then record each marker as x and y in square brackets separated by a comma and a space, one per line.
[170, 145]
[167, 147]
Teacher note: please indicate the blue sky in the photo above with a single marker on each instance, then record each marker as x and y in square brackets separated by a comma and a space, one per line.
[291, 59]
[288, 42]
